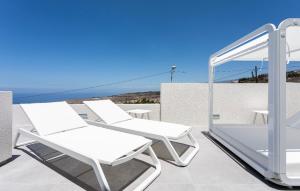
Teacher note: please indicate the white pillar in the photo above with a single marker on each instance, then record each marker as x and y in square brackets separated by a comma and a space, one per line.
[277, 105]
[5, 126]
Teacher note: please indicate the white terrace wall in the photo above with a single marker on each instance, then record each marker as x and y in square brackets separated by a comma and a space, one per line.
[187, 103]
[184, 103]
[5, 126]
[154, 114]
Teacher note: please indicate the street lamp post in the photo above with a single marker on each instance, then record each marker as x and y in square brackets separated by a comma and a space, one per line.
[173, 68]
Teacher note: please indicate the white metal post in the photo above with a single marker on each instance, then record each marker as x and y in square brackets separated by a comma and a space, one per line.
[277, 105]
[210, 94]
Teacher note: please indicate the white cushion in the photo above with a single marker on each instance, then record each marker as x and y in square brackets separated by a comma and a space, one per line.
[98, 143]
[108, 111]
[159, 128]
[48, 118]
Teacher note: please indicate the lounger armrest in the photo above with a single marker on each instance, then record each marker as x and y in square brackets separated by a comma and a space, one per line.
[140, 133]
[132, 154]
[99, 124]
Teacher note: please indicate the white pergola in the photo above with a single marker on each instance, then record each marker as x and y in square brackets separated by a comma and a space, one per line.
[277, 45]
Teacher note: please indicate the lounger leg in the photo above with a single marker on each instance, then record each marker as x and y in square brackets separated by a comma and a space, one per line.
[172, 151]
[264, 119]
[195, 149]
[254, 118]
[104, 184]
[100, 176]
[16, 144]
[154, 175]
[177, 159]
[16, 139]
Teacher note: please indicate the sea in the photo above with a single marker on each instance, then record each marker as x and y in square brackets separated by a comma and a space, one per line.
[29, 95]
[34, 97]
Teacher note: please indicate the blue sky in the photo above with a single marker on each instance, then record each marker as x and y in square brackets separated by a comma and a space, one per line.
[66, 44]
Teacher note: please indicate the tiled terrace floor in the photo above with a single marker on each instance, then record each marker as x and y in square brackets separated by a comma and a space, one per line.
[212, 169]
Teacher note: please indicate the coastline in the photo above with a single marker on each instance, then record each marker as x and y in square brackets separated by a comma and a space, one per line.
[125, 98]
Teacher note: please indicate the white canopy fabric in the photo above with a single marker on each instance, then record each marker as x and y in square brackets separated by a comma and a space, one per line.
[257, 49]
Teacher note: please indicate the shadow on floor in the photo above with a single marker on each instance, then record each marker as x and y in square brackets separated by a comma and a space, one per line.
[247, 167]
[118, 177]
[9, 160]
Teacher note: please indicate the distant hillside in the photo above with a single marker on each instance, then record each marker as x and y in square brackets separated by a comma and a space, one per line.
[127, 98]
[291, 76]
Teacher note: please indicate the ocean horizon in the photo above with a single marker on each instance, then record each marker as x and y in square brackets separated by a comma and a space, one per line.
[37, 98]
[38, 95]
[43, 95]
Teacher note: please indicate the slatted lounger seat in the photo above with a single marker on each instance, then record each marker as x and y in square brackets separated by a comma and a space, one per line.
[114, 117]
[59, 127]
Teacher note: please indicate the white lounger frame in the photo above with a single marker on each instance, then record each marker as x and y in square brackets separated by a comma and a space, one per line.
[94, 162]
[167, 141]
[276, 169]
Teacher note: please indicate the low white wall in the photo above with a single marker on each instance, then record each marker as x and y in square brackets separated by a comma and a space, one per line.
[235, 102]
[155, 109]
[154, 114]
[188, 102]
[5, 126]
[184, 103]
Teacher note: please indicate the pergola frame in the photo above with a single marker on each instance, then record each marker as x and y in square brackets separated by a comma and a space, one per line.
[276, 43]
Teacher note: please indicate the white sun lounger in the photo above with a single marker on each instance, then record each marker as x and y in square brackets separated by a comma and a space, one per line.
[114, 117]
[58, 126]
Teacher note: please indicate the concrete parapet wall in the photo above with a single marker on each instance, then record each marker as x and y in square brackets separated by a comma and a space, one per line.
[154, 114]
[187, 103]
[5, 126]
[184, 103]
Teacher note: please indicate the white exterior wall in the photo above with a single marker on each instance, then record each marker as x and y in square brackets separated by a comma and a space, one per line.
[155, 109]
[154, 114]
[235, 103]
[184, 103]
[5, 126]
[187, 103]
